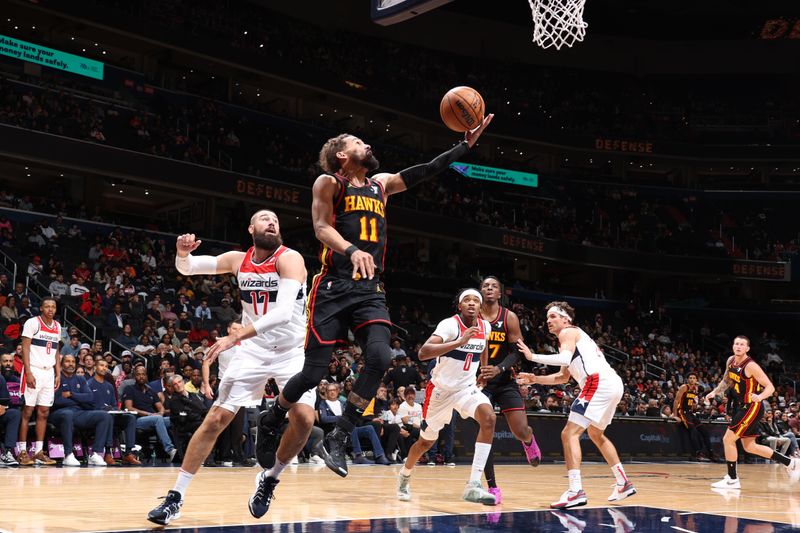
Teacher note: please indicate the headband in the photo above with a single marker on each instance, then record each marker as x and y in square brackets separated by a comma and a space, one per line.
[557, 310]
[468, 292]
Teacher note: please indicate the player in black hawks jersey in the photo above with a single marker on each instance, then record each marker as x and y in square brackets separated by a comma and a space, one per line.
[501, 386]
[750, 386]
[348, 212]
[684, 412]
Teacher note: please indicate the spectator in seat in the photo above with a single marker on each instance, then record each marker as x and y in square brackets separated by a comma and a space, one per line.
[193, 386]
[140, 399]
[397, 351]
[73, 347]
[225, 313]
[203, 311]
[329, 412]
[771, 436]
[116, 319]
[410, 412]
[187, 410]
[78, 287]
[74, 408]
[9, 311]
[126, 338]
[9, 424]
[7, 369]
[58, 287]
[782, 422]
[403, 375]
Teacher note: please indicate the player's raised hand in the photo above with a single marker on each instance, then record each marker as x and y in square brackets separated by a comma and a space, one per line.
[472, 136]
[186, 244]
[468, 334]
[363, 265]
[525, 350]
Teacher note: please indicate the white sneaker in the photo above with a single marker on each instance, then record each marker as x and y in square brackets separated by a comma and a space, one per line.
[172, 453]
[621, 521]
[294, 461]
[794, 469]
[621, 492]
[474, 492]
[404, 488]
[570, 523]
[727, 483]
[316, 460]
[70, 460]
[570, 499]
[96, 460]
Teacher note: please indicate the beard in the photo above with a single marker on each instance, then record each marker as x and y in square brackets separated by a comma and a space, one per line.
[369, 161]
[267, 241]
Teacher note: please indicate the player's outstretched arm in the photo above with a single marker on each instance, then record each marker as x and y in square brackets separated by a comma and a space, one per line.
[558, 378]
[190, 265]
[292, 270]
[405, 179]
[563, 358]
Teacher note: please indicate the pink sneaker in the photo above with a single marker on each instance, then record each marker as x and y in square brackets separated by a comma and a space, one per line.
[497, 493]
[532, 452]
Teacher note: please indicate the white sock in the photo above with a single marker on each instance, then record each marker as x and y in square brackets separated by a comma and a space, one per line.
[21, 447]
[182, 483]
[39, 446]
[619, 474]
[276, 470]
[479, 459]
[575, 484]
[405, 471]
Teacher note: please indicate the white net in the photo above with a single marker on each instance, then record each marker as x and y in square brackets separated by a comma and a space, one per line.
[558, 22]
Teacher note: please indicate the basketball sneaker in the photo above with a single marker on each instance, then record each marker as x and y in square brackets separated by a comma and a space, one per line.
[474, 492]
[727, 483]
[334, 452]
[96, 460]
[497, 493]
[794, 469]
[267, 439]
[404, 488]
[25, 459]
[621, 492]
[41, 458]
[168, 510]
[7, 459]
[70, 460]
[532, 452]
[570, 499]
[265, 492]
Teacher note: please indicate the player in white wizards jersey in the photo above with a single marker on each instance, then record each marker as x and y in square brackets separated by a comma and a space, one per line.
[40, 378]
[459, 345]
[601, 390]
[272, 281]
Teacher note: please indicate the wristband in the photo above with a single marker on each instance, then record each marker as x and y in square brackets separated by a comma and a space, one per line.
[350, 250]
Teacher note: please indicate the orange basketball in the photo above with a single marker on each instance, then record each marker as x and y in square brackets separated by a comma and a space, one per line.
[462, 109]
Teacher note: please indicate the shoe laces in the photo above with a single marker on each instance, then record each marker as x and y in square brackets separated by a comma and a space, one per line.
[265, 490]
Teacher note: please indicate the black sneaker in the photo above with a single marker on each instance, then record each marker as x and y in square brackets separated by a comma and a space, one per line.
[335, 450]
[170, 509]
[265, 488]
[267, 439]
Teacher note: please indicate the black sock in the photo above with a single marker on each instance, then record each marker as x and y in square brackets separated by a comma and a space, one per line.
[491, 482]
[278, 410]
[782, 459]
[731, 469]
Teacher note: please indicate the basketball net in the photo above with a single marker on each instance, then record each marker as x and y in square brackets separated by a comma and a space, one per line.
[558, 22]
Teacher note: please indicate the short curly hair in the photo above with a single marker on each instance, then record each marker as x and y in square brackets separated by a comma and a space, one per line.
[327, 155]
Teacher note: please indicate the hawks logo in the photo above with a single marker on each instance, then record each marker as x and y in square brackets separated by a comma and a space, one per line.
[498, 324]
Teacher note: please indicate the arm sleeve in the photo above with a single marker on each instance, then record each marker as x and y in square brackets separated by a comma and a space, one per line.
[447, 330]
[419, 173]
[563, 358]
[191, 265]
[511, 359]
[281, 311]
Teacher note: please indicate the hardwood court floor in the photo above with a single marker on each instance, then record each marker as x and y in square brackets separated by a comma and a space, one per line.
[52, 499]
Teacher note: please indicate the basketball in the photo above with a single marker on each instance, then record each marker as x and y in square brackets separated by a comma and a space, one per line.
[462, 109]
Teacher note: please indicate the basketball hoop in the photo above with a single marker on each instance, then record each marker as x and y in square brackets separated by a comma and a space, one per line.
[558, 22]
